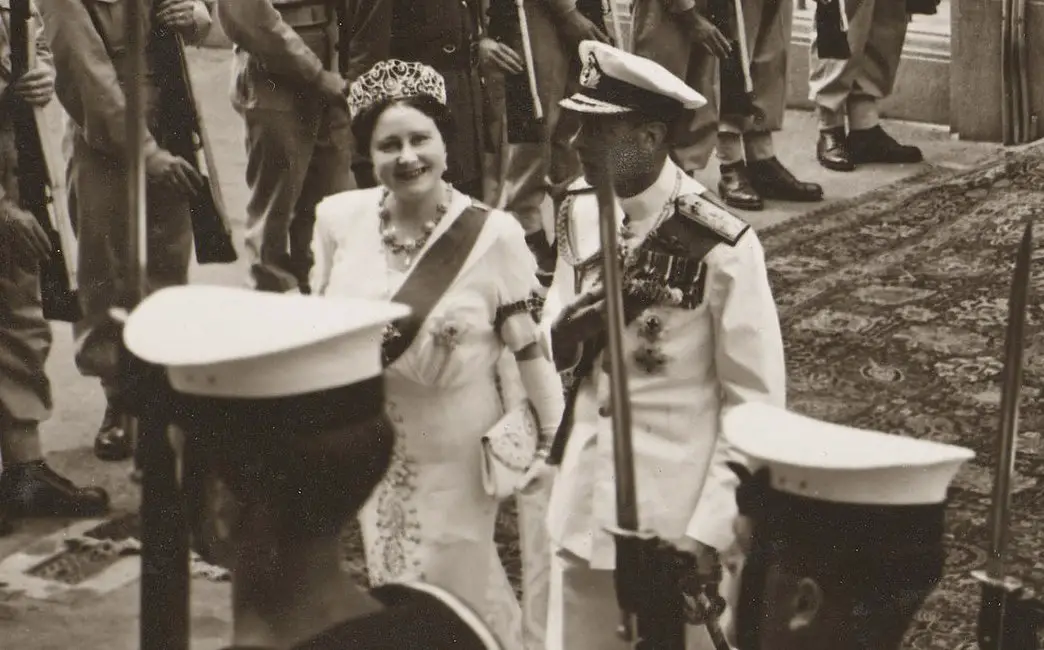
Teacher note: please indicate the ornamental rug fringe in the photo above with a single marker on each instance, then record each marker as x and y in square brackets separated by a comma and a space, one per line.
[894, 309]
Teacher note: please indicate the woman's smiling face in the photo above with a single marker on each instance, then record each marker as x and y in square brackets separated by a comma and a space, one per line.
[408, 151]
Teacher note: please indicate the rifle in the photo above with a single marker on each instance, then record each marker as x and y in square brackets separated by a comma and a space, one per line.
[737, 87]
[184, 134]
[1009, 614]
[41, 188]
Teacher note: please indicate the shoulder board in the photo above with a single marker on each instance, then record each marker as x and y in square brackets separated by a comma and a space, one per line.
[713, 216]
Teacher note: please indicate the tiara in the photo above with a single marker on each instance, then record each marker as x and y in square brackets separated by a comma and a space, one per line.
[394, 79]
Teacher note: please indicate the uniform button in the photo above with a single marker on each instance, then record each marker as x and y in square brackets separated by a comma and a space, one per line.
[604, 411]
[449, 49]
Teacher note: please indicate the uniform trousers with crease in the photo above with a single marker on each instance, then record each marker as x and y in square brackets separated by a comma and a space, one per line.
[295, 158]
[852, 87]
[101, 224]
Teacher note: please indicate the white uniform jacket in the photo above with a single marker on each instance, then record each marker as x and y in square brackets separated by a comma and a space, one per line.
[687, 364]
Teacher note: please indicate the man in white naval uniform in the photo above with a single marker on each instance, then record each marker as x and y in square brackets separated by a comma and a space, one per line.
[703, 337]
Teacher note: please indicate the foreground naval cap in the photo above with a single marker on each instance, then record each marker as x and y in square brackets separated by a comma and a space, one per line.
[834, 463]
[227, 342]
[614, 81]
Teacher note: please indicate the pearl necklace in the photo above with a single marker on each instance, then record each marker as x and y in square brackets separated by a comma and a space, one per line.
[409, 247]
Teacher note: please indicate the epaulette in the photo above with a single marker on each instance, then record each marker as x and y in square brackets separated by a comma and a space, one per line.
[706, 212]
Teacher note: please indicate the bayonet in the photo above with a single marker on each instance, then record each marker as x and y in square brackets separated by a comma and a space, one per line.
[1009, 615]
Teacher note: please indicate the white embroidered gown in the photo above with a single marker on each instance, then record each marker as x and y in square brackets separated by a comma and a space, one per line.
[430, 519]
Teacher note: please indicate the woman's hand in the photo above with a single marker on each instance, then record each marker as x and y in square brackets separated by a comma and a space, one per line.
[494, 54]
[539, 475]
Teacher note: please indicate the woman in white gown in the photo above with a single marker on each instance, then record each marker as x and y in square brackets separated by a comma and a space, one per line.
[431, 519]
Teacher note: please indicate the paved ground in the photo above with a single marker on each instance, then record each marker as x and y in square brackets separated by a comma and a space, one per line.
[110, 623]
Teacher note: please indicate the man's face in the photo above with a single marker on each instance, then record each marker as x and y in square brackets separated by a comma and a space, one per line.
[777, 608]
[621, 144]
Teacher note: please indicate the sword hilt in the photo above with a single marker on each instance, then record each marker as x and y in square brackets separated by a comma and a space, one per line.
[1010, 615]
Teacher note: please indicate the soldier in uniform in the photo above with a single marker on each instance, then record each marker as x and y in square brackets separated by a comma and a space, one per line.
[702, 337]
[750, 170]
[842, 531]
[88, 38]
[675, 34]
[290, 422]
[28, 486]
[556, 28]
[292, 98]
[851, 88]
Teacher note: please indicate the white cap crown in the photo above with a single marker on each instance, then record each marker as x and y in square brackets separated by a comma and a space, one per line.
[830, 462]
[237, 343]
[614, 81]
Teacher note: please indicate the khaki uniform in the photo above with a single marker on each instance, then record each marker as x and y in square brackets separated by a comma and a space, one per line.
[298, 145]
[768, 29]
[853, 86]
[528, 166]
[659, 36]
[25, 337]
[88, 38]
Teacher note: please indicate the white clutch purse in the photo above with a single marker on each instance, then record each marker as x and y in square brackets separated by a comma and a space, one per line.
[508, 450]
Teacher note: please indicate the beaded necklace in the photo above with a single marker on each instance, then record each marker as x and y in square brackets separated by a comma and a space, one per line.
[410, 247]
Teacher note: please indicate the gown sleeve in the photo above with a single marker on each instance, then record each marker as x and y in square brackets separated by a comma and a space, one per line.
[324, 243]
[517, 313]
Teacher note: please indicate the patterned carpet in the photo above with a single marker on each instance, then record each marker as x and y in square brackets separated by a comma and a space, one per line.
[893, 312]
[893, 308]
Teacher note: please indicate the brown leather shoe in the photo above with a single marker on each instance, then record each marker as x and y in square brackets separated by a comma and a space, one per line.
[736, 190]
[112, 443]
[774, 181]
[832, 150]
[35, 490]
[876, 146]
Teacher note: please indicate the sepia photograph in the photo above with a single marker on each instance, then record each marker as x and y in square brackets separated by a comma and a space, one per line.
[521, 325]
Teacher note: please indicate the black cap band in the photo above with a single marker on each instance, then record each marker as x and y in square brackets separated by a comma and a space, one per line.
[281, 416]
[621, 93]
[794, 525]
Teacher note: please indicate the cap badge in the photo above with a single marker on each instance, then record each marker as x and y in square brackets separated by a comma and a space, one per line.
[591, 75]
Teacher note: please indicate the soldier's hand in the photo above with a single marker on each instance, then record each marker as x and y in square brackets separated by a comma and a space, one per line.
[176, 14]
[173, 172]
[703, 33]
[576, 27]
[21, 229]
[333, 87]
[35, 87]
[493, 54]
